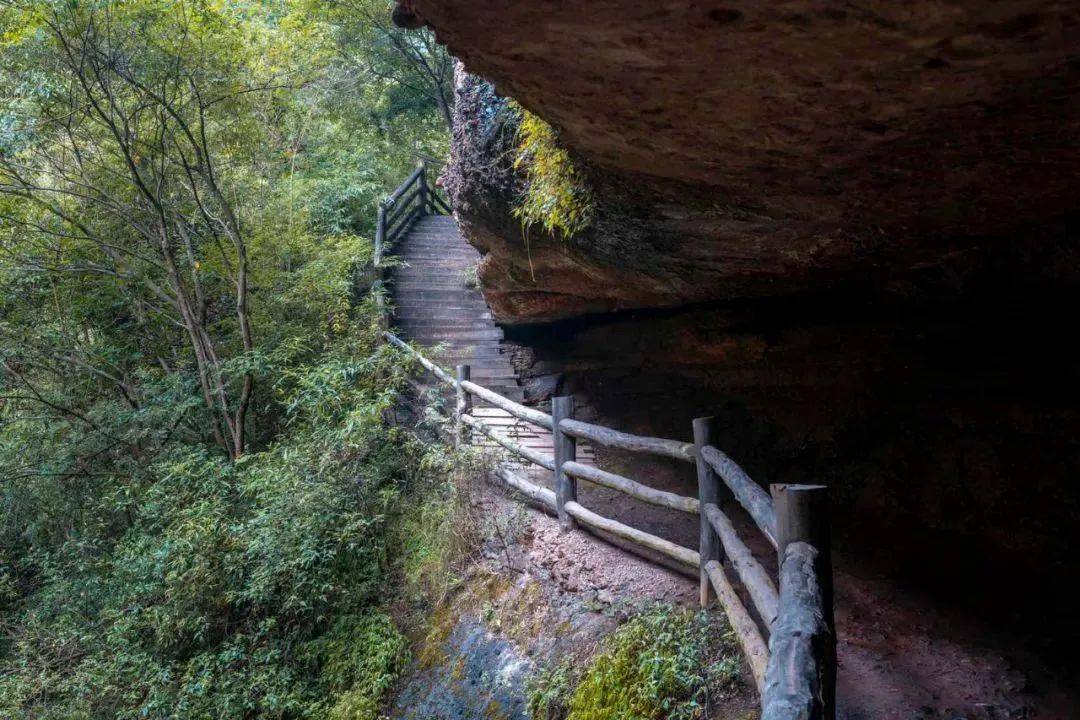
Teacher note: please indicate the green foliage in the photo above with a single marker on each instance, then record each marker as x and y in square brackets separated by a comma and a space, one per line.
[146, 570]
[550, 692]
[363, 656]
[558, 198]
[664, 663]
[436, 532]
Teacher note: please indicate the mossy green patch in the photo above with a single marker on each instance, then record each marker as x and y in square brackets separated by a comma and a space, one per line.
[664, 663]
[558, 198]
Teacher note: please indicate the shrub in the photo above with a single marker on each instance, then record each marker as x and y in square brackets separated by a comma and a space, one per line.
[663, 663]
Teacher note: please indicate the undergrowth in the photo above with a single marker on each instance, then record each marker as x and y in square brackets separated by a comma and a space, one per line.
[437, 531]
[664, 663]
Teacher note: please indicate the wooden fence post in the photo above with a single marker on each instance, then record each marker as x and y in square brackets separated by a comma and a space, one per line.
[565, 451]
[802, 520]
[708, 492]
[380, 239]
[463, 406]
[422, 188]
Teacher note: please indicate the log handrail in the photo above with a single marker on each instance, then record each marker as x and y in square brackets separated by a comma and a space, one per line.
[642, 492]
[428, 365]
[585, 516]
[626, 441]
[758, 584]
[746, 631]
[410, 201]
[516, 409]
[795, 672]
[749, 494]
[545, 461]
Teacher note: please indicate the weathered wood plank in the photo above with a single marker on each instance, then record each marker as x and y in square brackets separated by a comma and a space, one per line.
[758, 584]
[519, 411]
[677, 552]
[435, 369]
[661, 498]
[626, 441]
[544, 461]
[797, 676]
[749, 494]
[753, 646]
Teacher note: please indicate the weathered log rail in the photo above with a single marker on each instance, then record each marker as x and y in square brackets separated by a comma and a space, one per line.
[795, 671]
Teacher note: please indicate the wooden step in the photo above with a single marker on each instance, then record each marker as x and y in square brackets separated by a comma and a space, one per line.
[433, 307]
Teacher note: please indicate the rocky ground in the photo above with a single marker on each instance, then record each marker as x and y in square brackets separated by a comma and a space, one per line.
[542, 596]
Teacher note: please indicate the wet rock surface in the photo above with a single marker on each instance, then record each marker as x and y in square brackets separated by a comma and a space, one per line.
[485, 679]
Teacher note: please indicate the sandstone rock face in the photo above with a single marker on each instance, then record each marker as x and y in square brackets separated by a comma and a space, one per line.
[757, 149]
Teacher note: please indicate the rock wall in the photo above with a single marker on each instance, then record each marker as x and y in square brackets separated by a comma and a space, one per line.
[757, 149]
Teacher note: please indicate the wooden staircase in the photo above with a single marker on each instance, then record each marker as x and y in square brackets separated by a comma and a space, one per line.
[435, 307]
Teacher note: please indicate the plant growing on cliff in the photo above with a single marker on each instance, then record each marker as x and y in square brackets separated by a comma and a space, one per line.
[557, 198]
[664, 663]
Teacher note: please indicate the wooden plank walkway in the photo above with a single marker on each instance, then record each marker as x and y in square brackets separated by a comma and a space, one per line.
[434, 307]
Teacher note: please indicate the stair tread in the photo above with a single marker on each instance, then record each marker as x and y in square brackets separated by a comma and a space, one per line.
[434, 307]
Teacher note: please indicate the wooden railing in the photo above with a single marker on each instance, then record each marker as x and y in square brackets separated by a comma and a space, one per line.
[795, 673]
[412, 200]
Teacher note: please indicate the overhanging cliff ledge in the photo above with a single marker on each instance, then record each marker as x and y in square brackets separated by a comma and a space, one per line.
[757, 149]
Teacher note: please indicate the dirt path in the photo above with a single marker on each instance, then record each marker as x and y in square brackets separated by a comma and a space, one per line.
[900, 656]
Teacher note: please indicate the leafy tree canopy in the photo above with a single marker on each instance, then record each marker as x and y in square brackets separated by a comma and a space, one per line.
[196, 468]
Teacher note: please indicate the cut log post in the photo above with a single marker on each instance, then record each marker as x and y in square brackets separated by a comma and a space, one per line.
[708, 493]
[463, 407]
[565, 451]
[423, 188]
[801, 678]
[380, 238]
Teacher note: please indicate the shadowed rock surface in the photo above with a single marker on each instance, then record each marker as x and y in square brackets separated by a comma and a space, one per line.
[753, 150]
